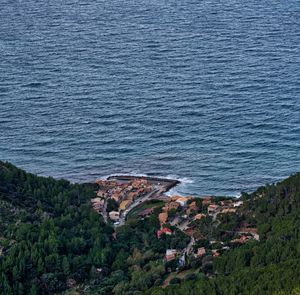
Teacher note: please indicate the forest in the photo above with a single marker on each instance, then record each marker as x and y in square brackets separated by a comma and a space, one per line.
[52, 242]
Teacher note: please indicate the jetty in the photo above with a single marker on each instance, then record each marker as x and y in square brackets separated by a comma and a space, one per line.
[165, 183]
[119, 194]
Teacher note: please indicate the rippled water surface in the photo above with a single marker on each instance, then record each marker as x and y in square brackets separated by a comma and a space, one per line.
[205, 91]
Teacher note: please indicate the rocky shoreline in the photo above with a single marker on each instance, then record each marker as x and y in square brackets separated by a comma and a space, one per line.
[166, 183]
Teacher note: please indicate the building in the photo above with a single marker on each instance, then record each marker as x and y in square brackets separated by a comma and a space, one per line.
[212, 208]
[106, 183]
[238, 204]
[101, 182]
[165, 231]
[228, 210]
[226, 203]
[124, 205]
[170, 254]
[215, 253]
[182, 201]
[97, 200]
[201, 252]
[241, 240]
[206, 200]
[171, 205]
[193, 206]
[250, 230]
[199, 216]
[101, 194]
[138, 183]
[97, 204]
[174, 198]
[171, 251]
[114, 215]
[116, 196]
[133, 195]
[163, 217]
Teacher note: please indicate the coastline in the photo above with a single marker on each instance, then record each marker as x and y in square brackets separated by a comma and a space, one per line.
[166, 183]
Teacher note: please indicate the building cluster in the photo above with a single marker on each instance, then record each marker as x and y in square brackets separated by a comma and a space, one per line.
[122, 193]
[172, 204]
[183, 212]
[224, 207]
[97, 204]
[245, 234]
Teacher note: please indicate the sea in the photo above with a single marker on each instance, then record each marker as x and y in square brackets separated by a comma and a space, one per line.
[204, 91]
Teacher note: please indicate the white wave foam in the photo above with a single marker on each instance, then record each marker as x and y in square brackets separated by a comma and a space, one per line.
[183, 180]
[237, 196]
[177, 190]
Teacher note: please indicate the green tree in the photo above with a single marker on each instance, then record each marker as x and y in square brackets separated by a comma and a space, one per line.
[66, 266]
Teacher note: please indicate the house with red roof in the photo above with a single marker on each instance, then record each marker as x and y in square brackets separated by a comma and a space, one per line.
[164, 230]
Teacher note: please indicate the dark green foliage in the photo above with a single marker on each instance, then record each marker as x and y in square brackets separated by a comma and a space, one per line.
[190, 277]
[112, 205]
[270, 266]
[175, 281]
[50, 236]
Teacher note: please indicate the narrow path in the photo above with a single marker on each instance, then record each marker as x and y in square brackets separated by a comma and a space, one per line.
[189, 246]
[103, 211]
[182, 226]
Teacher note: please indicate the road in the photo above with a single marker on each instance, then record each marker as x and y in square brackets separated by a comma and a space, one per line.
[136, 203]
[189, 246]
[215, 221]
[103, 211]
[175, 221]
[184, 225]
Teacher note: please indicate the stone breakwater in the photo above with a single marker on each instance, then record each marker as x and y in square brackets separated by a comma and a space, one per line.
[165, 183]
[118, 195]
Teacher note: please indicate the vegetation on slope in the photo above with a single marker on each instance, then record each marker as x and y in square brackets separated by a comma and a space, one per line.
[53, 238]
[270, 266]
[52, 241]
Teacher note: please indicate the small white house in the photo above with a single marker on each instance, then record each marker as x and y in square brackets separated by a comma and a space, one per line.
[171, 251]
[114, 215]
[238, 204]
[182, 201]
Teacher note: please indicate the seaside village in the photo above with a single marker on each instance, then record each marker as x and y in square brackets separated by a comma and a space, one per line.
[198, 218]
[114, 198]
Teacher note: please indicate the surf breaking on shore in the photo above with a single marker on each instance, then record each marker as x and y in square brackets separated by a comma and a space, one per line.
[166, 183]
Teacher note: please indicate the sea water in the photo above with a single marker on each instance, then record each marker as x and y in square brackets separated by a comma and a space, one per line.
[203, 91]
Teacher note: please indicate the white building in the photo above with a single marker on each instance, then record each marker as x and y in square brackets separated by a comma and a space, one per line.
[114, 215]
[238, 204]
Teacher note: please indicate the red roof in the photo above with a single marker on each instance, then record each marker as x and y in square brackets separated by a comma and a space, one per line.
[170, 257]
[164, 230]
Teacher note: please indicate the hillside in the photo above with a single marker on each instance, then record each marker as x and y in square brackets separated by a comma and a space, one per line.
[48, 233]
[270, 266]
[52, 242]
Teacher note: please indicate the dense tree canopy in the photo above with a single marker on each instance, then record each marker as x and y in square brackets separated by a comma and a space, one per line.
[52, 234]
[51, 240]
[270, 266]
